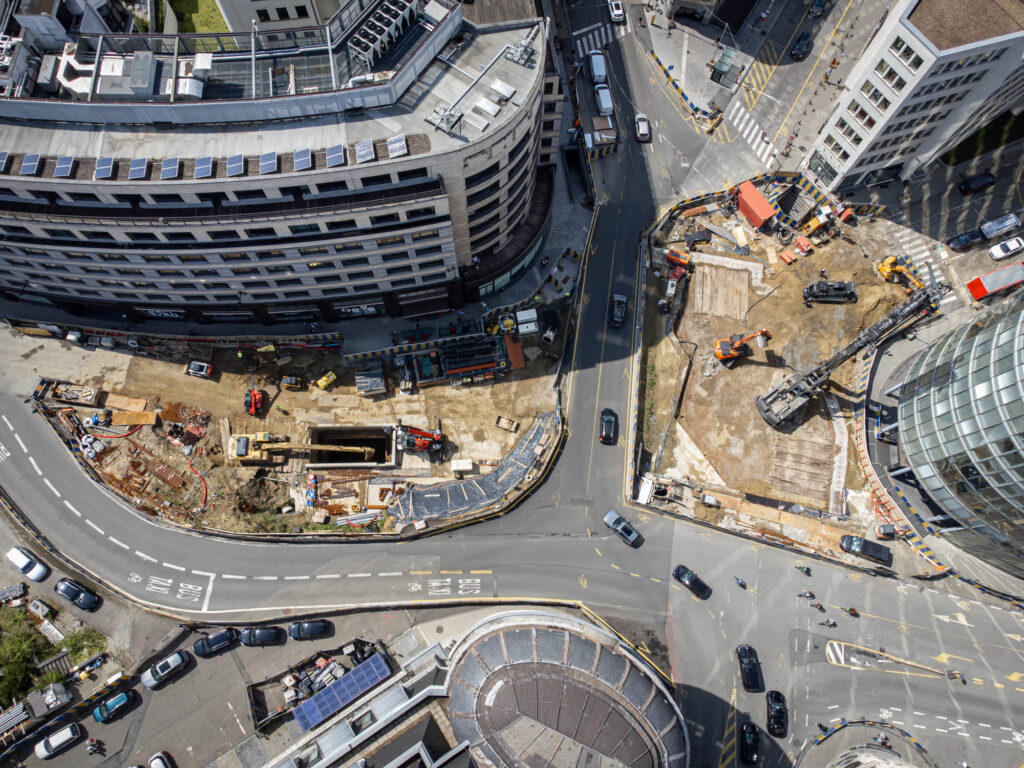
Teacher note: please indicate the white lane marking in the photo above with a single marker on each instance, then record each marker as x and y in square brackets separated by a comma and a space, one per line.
[941, 730]
[93, 525]
[834, 706]
[390, 573]
[35, 466]
[18, 438]
[265, 578]
[231, 576]
[144, 556]
[984, 725]
[49, 485]
[359, 575]
[985, 738]
[121, 544]
[947, 299]
[209, 588]
[8, 424]
[172, 566]
[202, 573]
[921, 714]
[585, 30]
[68, 505]
[295, 578]
[329, 576]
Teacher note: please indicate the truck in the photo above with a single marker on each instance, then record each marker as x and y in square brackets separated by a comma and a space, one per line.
[69, 392]
[999, 280]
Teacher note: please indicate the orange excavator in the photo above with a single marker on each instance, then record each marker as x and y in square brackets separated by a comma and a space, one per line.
[728, 351]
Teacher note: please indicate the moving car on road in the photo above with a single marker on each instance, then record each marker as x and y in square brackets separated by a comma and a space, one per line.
[107, 710]
[77, 595]
[749, 740]
[29, 565]
[802, 47]
[750, 669]
[691, 581]
[817, 8]
[1006, 249]
[642, 127]
[778, 716]
[617, 311]
[309, 630]
[965, 240]
[254, 636]
[974, 184]
[616, 11]
[165, 669]
[609, 427]
[626, 532]
[218, 641]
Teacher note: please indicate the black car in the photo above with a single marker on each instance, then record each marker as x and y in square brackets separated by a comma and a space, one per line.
[218, 641]
[975, 184]
[836, 291]
[252, 636]
[867, 549]
[965, 240]
[778, 716]
[609, 427]
[309, 630]
[76, 594]
[802, 47]
[617, 311]
[750, 669]
[749, 739]
[691, 581]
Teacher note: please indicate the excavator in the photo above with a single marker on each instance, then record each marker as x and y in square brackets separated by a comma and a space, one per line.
[412, 439]
[253, 399]
[728, 351]
[891, 269]
[259, 446]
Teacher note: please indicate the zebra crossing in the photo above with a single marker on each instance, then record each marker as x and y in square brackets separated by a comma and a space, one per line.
[919, 254]
[598, 36]
[750, 131]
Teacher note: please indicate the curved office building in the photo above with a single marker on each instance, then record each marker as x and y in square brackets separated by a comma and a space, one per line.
[961, 424]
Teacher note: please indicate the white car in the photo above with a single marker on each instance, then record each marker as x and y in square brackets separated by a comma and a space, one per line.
[1004, 250]
[616, 11]
[27, 563]
[642, 127]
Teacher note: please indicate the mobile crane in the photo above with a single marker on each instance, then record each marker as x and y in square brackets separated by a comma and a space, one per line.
[728, 351]
[412, 439]
[890, 269]
[786, 400]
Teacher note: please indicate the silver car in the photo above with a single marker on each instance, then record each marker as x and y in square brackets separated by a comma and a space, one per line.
[164, 669]
[27, 563]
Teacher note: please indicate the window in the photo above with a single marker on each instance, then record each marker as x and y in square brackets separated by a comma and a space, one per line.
[385, 241]
[377, 181]
[549, 87]
[301, 12]
[482, 176]
[167, 199]
[428, 251]
[84, 197]
[314, 251]
[874, 95]
[250, 194]
[403, 282]
[282, 13]
[143, 237]
[342, 247]
[890, 76]
[419, 213]
[93, 235]
[861, 115]
[412, 173]
[260, 232]
[179, 237]
[847, 130]
[357, 261]
[384, 218]
[129, 271]
[331, 186]
[483, 226]
[546, 143]
[59, 233]
[341, 224]
[289, 282]
[171, 272]
[234, 257]
[304, 229]
[547, 126]
[399, 256]
[400, 270]
[113, 257]
[155, 258]
[836, 148]
[907, 54]
[430, 234]
[223, 234]
[483, 194]
[133, 200]
[550, 107]
[262, 14]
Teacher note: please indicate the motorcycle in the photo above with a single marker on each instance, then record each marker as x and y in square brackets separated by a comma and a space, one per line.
[827, 623]
[742, 584]
[850, 611]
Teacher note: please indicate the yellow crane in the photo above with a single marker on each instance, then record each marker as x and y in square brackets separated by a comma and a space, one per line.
[257, 447]
[890, 269]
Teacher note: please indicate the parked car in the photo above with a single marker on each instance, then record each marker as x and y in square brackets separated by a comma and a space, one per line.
[626, 532]
[77, 595]
[617, 311]
[217, 641]
[965, 240]
[107, 710]
[975, 184]
[29, 565]
[1006, 249]
[801, 48]
[160, 760]
[869, 550]
[609, 427]
[309, 630]
[255, 636]
[835, 292]
[778, 715]
[749, 740]
[817, 8]
[642, 127]
[750, 669]
[57, 741]
[691, 581]
[616, 11]
[165, 669]
[885, 531]
[199, 369]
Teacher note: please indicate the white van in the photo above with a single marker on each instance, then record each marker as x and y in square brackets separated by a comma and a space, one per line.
[598, 67]
[603, 97]
[1000, 226]
[57, 741]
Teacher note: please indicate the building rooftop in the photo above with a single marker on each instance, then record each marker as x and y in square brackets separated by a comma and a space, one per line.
[952, 23]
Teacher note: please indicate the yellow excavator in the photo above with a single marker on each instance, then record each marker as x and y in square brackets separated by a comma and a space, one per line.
[728, 351]
[890, 269]
[259, 446]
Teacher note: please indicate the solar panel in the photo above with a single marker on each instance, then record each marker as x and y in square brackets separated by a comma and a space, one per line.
[104, 168]
[3, 161]
[364, 151]
[29, 165]
[169, 168]
[138, 167]
[268, 162]
[336, 155]
[204, 168]
[341, 693]
[397, 147]
[64, 166]
[236, 165]
[303, 160]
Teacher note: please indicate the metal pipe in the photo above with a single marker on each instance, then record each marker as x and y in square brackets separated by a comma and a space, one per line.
[886, 429]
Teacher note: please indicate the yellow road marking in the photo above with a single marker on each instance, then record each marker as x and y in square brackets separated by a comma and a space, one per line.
[943, 658]
[656, 581]
[482, 571]
[451, 573]
[598, 552]
[420, 573]
[597, 394]
[634, 575]
[613, 565]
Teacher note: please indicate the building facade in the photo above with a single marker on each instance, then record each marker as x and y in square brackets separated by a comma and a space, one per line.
[961, 431]
[381, 163]
[935, 72]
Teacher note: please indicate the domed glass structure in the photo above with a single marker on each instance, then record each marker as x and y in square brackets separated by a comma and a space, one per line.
[961, 426]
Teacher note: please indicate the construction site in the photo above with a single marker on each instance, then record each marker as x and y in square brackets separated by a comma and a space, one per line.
[752, 345]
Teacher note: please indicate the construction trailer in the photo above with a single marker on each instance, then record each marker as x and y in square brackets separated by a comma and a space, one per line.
[372, 380]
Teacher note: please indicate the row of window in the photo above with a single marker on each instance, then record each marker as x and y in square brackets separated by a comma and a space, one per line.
[890, 76]
[904, 125]
[921, 134]
[860, 114]
[875, 96]
[907, 54]
[951, 82]
[301, 12]
[885, 157]
[836, 148]
[970, 61]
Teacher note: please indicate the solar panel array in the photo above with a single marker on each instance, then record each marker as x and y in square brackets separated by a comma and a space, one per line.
[397, 146]
[302, 159]
[335, 155]
[236, 165]
[29, 165]
[169, 168]
[341, 693]
[64, 166]
[104, 168]
[138, 167]
[204, 168]
[364, 152]
[268, 162]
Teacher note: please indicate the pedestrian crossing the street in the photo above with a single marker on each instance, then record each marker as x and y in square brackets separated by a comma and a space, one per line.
[597, 36]
[750, 131]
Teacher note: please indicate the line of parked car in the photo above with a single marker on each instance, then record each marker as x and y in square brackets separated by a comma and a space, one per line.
[31, 567]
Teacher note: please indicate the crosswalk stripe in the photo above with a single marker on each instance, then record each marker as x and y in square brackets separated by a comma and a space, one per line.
[947, 299]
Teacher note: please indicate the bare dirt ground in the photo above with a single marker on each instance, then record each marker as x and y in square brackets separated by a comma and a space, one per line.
[719, 437]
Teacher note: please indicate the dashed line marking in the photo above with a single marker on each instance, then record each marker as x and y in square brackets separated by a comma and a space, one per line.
[985, 738]
[49, 485]
[9, 426]
[921, 714]
[202, 573]
[95, 527]
[634, 575]
[265, 578]
[144, 556]
[598, 552]
[488, 570]
[35, 466]
[18, 438]
[984, 725]
[390, 573]
[68, 505]
[656, 581]
[231, 576]
[121, 544]
[329, 576]
[420, 573]
[451, 573]
[613, 565]
[174, 567]
[362, 575]
[296, 578]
